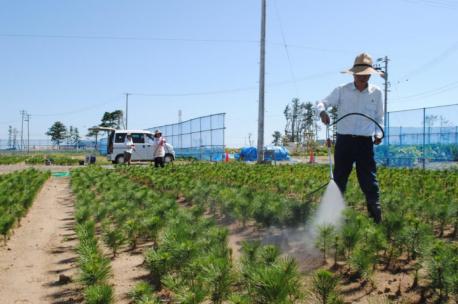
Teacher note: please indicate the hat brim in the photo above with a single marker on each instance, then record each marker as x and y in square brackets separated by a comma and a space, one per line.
[363, 71]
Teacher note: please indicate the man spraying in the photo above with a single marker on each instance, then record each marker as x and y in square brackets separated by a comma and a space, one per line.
[357, 135]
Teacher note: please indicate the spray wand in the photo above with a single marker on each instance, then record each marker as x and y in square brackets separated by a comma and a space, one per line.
[328, 144]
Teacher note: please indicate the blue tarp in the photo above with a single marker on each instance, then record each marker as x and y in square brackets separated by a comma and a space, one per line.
[251, 154]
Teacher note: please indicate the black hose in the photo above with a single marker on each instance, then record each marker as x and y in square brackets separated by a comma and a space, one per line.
[363, 115]
[335, 122]
[316, 190]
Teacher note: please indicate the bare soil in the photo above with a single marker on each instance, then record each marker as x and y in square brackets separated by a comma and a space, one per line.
[38, 263]
[127, 271]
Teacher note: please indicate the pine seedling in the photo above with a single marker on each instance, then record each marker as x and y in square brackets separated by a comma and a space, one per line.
[326, 234]
[142, 290]
[113, 238]
[324, 287]
[98, 294]
[218, 277]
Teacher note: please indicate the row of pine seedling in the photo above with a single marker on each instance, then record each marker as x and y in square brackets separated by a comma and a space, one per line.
[188, 260]
[17, 192]
[417, 236]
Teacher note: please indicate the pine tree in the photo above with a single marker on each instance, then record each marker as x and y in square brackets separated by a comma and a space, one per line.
[57, 132]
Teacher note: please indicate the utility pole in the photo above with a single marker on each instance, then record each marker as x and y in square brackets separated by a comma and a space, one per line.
[385, 106]
[127, 108]
[386, 84]
[260, 147]
[27, 119]
[22, 112]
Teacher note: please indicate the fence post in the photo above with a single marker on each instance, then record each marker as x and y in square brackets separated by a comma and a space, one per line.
[400, 136]
[211, 139]
[424, 137]
[224, 133]
[456, 135]
[387, 131]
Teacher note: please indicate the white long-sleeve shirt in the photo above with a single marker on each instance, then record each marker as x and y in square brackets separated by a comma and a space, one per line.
[130, 146]
[158, 147]
[349, 99]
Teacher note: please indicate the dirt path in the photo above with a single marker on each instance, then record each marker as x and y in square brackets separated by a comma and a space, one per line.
[128, 270]
[39, 257]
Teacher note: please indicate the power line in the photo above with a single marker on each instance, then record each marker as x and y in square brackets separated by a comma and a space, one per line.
[7, 122]
[432, 92]
[431, 63]
[435, 3]
[286, 48]
[234, 90]
[132, 38]
[166, 39]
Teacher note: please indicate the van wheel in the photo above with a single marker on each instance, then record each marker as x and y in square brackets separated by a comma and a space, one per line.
[168, 158]
[120, 159]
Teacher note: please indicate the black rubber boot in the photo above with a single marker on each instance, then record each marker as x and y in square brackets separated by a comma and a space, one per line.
[375, 211]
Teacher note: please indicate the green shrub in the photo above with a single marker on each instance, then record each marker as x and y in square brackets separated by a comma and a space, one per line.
[442, 265]
[268, 278]
[324, 287]
[141, 291]
[98, 294]
[94, 267]
[326, 234]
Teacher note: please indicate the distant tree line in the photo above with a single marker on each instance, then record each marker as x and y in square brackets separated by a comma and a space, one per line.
[302, 123]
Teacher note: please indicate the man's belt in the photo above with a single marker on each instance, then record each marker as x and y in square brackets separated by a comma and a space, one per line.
[354, 136]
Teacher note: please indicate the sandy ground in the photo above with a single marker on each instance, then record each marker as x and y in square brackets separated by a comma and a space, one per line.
[39, 254]
[128, 270]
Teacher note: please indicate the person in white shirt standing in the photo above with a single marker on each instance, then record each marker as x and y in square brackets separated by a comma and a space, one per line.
[130, 148]
[158, 149]
[356, 135]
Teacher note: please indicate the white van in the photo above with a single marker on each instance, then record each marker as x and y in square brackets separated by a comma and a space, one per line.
[143, 141]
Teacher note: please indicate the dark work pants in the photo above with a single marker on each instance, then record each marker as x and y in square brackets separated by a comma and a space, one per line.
[351, 149]
[159, 161]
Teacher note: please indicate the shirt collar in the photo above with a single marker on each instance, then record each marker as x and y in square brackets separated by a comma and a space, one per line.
[370, 88]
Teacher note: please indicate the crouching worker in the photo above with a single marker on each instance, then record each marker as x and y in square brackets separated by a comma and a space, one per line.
[158, 149]
[356, 135]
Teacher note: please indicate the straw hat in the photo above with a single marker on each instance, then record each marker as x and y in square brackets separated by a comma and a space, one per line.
[157, 132]
[363, 66]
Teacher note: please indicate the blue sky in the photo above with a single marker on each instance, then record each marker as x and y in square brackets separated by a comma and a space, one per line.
[72, 60]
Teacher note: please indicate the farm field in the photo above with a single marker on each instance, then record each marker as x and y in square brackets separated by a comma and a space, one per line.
[222, 233]
[55, 159]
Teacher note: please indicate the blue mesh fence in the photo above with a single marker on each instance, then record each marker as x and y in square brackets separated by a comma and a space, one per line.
[201, 138]
[424, 137]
